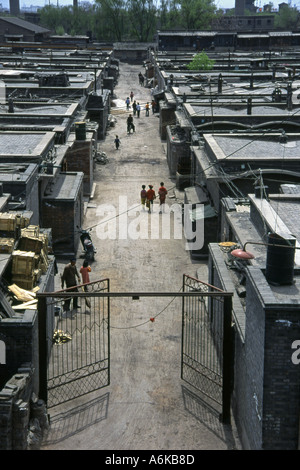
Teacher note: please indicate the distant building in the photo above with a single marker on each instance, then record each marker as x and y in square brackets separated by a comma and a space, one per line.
[244, 23]
[16, 29]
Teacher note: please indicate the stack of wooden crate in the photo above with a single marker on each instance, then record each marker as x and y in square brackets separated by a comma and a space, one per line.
[7, 245]
[30, 261]
[23, 264]
[10, 226]
[8, 232]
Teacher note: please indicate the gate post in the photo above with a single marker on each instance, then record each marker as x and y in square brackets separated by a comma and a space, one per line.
[43, 353]
[227, 360]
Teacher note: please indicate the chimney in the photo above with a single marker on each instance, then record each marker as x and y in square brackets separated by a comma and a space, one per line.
[239, 7]
[14, 7]
[280, 260]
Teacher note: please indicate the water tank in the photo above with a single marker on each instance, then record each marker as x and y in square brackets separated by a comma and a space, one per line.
[280, 260]
[80, 130]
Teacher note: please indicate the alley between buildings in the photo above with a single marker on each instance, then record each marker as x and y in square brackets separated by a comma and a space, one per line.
[147, 405]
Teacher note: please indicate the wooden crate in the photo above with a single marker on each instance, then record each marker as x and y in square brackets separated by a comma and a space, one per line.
[44, 262]
[8, 222]
[7, 245]
[37, 262]
[22, 221]
[23, 262]
[45, 240]
[31, 231]
[36, 275]
[27, 243]
[24, 282]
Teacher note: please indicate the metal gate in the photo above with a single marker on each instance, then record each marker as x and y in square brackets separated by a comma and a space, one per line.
[74, 345]
[207, 343]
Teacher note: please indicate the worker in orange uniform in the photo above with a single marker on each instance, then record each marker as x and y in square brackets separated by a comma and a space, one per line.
[150, 197]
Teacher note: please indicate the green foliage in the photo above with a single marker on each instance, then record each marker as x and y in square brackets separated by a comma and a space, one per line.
[142, 16]
[121, 20]
[287, 18]
[196, 14]
[201, 62]
[60, 30]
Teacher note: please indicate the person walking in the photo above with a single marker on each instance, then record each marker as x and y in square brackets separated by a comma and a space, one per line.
[143, 196]
[162, 193]
[131, 96]
[84, 271]
[130, 124]
[138, 109]
[141, 79]
[147, 109]
[153, 105]
[69, 276]
[150, 198]
[134, 107]
[127, 102]
[117, 142]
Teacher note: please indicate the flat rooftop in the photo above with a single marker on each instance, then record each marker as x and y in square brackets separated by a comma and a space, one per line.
[33, 145]
[65, 187]
[261, 147]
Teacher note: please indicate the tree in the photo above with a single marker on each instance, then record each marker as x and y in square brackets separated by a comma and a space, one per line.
[201, 62]
[142, 17]
[287, 18]
[196, 14]
[114, 12]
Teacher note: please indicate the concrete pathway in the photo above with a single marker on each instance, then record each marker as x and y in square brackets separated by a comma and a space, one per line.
[147, 406]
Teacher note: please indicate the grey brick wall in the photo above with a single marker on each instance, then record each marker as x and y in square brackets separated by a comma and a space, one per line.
[266, 386]
[281, 380]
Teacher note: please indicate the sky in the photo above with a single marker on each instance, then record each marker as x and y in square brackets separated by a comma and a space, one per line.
[219, 3]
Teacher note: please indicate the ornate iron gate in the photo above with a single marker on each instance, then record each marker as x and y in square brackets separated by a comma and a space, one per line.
[207, 343]
[74, 345]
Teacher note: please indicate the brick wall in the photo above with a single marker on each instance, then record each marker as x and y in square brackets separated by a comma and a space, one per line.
[177, 154]
[166, 118]
[79, 157]
[247, 386]
[60, 216]
[281, 380]
[63, 213]
[266, 386]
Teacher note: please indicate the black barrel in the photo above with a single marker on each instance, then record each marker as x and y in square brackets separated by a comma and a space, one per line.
[280, 260]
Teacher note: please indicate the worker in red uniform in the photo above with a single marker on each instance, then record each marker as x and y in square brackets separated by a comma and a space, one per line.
[143, 196]
[162, 193]
[150, 197]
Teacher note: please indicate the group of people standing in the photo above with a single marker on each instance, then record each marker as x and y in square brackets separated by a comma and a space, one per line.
[136, 108]
[148, 196]
[70, 277]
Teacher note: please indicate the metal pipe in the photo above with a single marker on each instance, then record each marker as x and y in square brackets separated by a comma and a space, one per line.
[270, 244]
